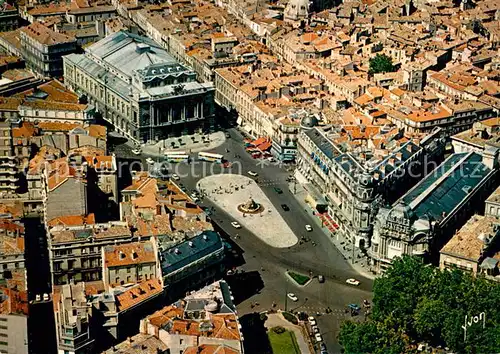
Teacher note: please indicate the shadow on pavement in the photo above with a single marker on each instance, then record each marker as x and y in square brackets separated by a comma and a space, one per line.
[245, 285]
[254, 332]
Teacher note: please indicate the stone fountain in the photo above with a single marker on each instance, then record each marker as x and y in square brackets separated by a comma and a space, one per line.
[250, 207]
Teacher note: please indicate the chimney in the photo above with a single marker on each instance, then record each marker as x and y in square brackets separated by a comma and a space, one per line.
[205, 237]
[134, 255]
[176, 251]
[399, 156]
[121, 255]
[191, 244]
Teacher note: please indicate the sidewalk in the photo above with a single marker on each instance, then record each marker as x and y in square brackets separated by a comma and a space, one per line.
[276, 319]
[185, 143]
[344, 246]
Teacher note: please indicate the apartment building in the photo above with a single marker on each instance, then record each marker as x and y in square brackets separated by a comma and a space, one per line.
[9, 17]
[130, 263]
[14, 318]
[75, 247]
[355, 179]
[72, 318]
[12, 247]
[483, 133]
[139, 88]
[205, 319]
[474, 247]
[492, 204]
[43, 49]
[161, 209]
[9, 179]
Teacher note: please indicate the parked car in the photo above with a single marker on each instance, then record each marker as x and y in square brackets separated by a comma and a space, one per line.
[253, 174]
[285, 207]
[309, 228]
[312, 321]
[236, 225]
[278, 190]
[315, 329]
[352, 281]
[321, 279]
[175, 177]
[318, 337]
[136, 151]
[195, 198]
[38, 297]
[354, 307]
[150, 161]
[292, 297]
[46, 297]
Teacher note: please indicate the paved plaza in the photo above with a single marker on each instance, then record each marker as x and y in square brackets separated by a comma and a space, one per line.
[230, 190]
[190, 143]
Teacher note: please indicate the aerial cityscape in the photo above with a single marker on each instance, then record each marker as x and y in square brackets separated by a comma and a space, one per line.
[249, 176]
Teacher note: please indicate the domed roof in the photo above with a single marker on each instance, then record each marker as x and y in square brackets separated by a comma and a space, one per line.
[422, 225]
[297, 9]
[309, 121]
[401, 211]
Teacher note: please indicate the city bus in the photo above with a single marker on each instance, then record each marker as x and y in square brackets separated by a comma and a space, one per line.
[208, 156]
[171, 157]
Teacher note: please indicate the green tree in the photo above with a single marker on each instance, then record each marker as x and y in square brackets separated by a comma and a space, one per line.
[370, 337]
[381, 63]
[429, 318]
[414, 302]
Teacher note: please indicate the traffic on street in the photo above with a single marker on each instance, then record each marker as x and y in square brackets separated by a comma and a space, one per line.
[257, 271]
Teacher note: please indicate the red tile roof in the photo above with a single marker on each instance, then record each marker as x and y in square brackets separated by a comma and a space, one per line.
[129, 254]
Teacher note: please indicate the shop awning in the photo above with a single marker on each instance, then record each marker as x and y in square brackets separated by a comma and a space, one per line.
[259, 141]
[265, 146]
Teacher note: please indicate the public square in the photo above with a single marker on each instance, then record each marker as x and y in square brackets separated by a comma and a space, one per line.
[228, 191]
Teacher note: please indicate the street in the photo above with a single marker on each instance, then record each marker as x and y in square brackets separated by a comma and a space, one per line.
[264, 266]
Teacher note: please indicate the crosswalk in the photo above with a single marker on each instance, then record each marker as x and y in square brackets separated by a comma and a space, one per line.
[271, 182]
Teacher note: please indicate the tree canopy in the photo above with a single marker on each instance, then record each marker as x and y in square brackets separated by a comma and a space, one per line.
[414, 303]
[381, 63]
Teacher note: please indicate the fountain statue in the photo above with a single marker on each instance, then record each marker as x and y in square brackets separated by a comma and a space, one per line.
[250, 207]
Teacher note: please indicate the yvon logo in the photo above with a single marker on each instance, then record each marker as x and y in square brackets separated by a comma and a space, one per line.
[473, 320]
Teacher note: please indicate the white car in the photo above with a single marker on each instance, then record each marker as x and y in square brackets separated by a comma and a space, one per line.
[309, 228]
[318, 337]
[195, 198]
[236, 225]
[38, 297]
[352, 281]
[253, 174]
[150, 161]
[175, 177]
[292, 297]
[312, 321]
[136, 151]
[315, 329]
[46, 297]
